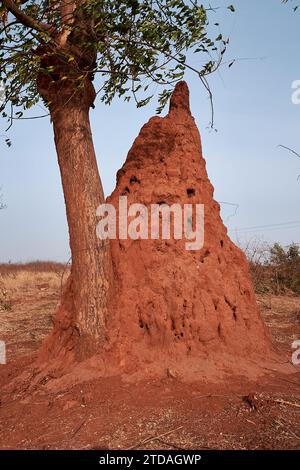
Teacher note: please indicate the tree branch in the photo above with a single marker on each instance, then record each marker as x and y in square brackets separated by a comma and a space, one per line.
[290, 150]
[27, 20]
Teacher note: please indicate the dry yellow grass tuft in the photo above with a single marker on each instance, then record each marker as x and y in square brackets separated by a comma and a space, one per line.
[22, 280]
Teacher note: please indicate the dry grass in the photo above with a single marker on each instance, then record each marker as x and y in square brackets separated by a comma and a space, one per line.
[29, 296]
[33, 266]
[24, 277]
[28, 280]
[282, 316]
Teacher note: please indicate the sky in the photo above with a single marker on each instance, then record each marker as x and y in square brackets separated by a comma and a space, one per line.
[254, 114]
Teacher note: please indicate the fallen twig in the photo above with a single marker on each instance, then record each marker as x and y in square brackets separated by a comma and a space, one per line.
[217, 396]
[149, 439]
[171, 444]
[78, 428]
[284, 402]
[249, 421]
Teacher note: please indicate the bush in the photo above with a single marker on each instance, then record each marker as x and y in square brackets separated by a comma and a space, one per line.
[286, 263]
[275, 269]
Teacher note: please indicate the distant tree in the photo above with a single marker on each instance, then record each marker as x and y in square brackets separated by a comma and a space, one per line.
[286, 262]
[281, 255]
[278, 255]
[54, 49]
[275, 268]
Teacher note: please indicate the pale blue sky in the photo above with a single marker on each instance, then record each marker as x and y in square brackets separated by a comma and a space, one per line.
[253, 114]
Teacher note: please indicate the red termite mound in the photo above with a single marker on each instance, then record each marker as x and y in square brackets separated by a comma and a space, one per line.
[176, 308]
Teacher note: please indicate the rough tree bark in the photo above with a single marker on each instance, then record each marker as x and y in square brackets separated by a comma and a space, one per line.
[80, 321]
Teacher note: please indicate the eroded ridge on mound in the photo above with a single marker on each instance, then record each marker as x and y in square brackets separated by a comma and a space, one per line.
[172, 303]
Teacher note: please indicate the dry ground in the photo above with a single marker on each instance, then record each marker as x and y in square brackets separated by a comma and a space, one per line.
[110, 413]
[28, 298]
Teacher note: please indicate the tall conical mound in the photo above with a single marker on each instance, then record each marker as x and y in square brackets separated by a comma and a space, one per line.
[179, 309]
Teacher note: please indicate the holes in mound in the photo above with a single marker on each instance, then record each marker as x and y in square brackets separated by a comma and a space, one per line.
[144, 325]
[233, 308]
[247, 293]
[190, 192]
[234, 313]
[126, 191]
[178, 335]
[222, 243]
[205, 255]
[134, 179]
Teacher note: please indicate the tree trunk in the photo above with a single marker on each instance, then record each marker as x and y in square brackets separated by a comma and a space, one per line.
[81, 318]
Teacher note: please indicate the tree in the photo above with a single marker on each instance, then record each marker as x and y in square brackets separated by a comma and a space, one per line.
[53, 50]
[286, 262]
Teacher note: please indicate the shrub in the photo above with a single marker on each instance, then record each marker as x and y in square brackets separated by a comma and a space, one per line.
[275, 269]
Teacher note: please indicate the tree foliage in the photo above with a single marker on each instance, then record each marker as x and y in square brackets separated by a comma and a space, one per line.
[129, 44]
[275, 268]
[295, 7]
[286, 262]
